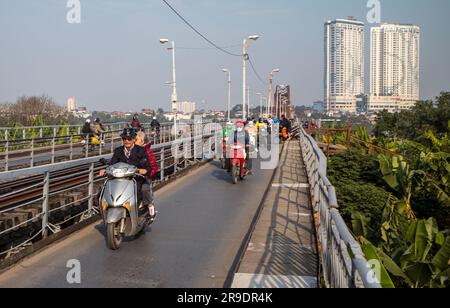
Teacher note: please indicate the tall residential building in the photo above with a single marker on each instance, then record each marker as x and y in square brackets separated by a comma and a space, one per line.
[344, 64]
[394, 67]
[186, 107]
[72, 104]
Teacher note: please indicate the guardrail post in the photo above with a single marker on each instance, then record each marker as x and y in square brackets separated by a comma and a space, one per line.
[32, 153]
[24, 134]
[112, 141]
[162, 165]
[91, 188]
[101, 146]
[176, 160]
[71, 148]
[41, 132]
[45, 204]
[88, 139]
[53, 150]
[6, 150]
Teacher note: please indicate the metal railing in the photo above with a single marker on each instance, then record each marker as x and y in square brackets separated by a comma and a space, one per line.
[343, 262]
[27, 153]
[39, 210]
[31, 132]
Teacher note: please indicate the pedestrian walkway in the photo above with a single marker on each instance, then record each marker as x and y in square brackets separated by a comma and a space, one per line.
[282, 249]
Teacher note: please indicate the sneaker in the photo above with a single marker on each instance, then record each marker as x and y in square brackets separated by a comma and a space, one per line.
[152, 212]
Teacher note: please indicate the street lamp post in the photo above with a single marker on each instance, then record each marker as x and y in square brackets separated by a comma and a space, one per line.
[244, 73]
[229, 92]
[174, 85]
[248, 102]
[260, 103]
[270, 89]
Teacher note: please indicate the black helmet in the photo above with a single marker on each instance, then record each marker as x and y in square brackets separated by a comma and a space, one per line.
[97, 120]
[128, 133]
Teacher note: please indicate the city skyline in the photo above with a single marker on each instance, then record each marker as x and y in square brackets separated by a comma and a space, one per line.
[113, 59]
[344, 64]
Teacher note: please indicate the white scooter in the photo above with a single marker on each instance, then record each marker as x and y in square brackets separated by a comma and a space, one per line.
[121, 213]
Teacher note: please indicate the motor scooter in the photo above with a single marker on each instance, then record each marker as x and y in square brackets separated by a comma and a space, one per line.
[237, 157]
[122, 212]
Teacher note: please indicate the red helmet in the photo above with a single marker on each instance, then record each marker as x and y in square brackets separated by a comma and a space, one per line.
[240, 123]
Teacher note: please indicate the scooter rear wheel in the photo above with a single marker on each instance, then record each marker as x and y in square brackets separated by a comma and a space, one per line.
[113, 236]
[234, 173]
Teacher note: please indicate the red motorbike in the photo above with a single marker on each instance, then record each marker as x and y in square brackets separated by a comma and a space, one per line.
[237, 160]
[225, 162]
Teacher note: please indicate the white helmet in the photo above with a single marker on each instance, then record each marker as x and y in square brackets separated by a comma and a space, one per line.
[88, 121]
[154, 118]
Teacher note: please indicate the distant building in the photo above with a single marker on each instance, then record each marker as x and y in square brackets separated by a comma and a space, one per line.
[344, 64]
[394, 67]
[148, 112]
[318, 107]
[186, 107]
[180, 116]
[72, 104]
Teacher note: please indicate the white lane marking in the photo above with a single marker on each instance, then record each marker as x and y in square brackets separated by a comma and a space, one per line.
[242, 280]
[295, 185]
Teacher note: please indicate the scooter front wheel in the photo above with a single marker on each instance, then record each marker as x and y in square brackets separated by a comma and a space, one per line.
[113, 236]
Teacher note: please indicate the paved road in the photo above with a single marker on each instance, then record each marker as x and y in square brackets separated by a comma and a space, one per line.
[202, 221]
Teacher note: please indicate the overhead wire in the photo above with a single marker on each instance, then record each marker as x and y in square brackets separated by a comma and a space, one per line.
[214, 44]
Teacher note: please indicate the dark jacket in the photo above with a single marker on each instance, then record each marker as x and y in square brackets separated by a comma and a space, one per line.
[155, 124]
[137, 158]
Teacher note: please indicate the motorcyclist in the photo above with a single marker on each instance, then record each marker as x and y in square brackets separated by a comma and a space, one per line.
[242, 136]
[134, 155]
[88, 130]
[142, 141]
[100, 130]
[155, 125]
[135, 123]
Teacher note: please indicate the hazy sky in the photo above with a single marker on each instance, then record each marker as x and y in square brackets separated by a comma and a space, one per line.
[113, 60]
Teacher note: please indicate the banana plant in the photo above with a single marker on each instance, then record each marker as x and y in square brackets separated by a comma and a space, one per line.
[427, 260]
[398, 175]
[423, 262]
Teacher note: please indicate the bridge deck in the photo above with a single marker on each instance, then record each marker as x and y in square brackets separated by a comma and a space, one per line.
[203, 219]
[282, 249]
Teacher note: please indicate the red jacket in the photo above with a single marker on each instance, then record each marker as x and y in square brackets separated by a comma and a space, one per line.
[152, 161]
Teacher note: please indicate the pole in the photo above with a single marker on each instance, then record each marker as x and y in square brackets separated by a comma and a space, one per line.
[248, 102]
[260, 104]
[269, 104]
[229, 96]
[244, 78]
[174, 90]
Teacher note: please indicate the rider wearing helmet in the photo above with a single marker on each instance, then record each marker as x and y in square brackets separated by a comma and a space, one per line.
[155, 125]
[134, 155]
[243, 137]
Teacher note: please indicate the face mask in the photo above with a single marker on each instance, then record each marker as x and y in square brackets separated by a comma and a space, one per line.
[240, 129]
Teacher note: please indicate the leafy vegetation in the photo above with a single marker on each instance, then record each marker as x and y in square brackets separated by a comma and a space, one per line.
[397, 203]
